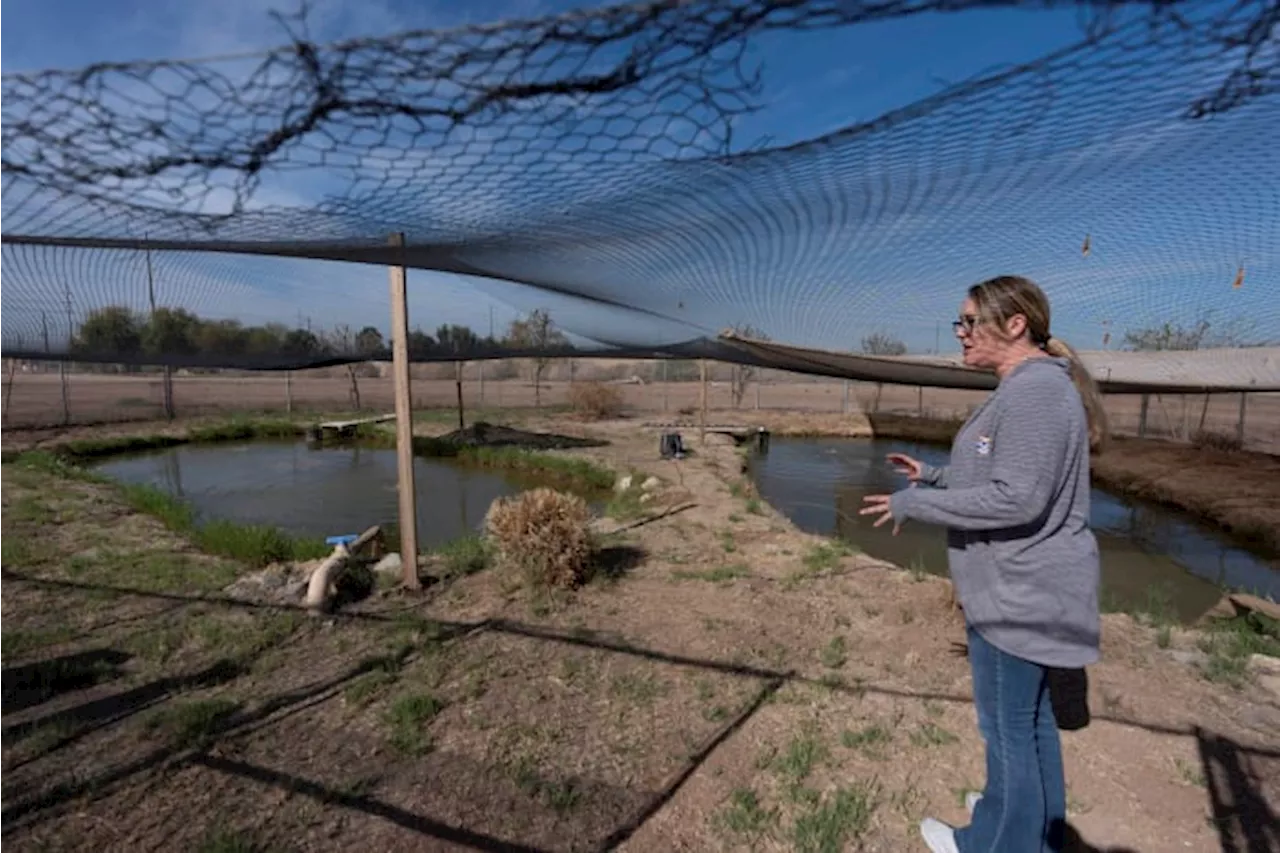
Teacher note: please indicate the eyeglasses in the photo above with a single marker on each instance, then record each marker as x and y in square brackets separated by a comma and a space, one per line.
[964, 324]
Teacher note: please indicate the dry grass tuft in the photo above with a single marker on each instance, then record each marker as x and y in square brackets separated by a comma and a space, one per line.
[543, 533]
[595, 401]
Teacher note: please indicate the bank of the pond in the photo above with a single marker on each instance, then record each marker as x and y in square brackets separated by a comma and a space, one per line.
[258, 544]
[1236, 491]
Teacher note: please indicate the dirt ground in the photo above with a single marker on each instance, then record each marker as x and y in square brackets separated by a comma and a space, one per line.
[35, 399]
[729, 684]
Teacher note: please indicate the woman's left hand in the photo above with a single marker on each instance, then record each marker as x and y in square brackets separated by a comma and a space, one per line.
[879, 505]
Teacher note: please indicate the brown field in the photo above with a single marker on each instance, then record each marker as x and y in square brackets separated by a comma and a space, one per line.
[726, 683]
[35, 400]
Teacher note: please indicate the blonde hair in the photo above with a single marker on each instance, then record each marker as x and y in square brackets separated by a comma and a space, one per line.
[1000, 299]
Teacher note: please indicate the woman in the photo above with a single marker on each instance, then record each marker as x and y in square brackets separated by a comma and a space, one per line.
[1015, 501]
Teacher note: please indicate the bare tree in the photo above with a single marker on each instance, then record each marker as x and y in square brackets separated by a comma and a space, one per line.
[537, 332]
[1205, 333]
[880, 343]
[342, 341]
[741, 375]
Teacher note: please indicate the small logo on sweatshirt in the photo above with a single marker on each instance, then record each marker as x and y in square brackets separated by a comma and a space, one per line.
[984, 445]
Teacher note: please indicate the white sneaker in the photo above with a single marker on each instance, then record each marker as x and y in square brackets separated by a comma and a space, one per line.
[940, 837]
[971, 801]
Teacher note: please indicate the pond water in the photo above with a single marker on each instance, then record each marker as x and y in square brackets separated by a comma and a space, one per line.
[316, 491]
[1151, 557]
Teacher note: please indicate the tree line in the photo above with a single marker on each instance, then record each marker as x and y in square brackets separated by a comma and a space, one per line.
[119, 331]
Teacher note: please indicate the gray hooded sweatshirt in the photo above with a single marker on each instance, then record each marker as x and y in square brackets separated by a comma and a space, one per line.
[1015, 501]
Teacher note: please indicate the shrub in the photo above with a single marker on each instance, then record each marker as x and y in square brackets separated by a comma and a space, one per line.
[595, 401]
[1209, 440]
[543, 534]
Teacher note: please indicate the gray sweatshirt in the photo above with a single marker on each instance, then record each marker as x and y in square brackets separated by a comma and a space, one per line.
[1015, 500]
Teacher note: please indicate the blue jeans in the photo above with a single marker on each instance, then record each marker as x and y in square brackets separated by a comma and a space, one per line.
[1024, 806]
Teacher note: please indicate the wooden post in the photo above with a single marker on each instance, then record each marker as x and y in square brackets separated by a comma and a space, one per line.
[462, 424]
[844, 405]
[1142, 416]
[757, 384]
[666, 389]
[404, 418]
[1244, 401]
[702, 417]
[288, 391]
[919, 401]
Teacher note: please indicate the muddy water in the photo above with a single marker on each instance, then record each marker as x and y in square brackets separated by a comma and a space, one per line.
[315, 491]
[1152, 558]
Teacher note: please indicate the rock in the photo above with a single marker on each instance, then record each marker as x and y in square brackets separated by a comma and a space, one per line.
[390, 564]
[651, 484]
[1245, 603]
[1264, 665]
[1242, 604]
[1188, 657]
[623, 484]
[1271, 684]
[646, 497]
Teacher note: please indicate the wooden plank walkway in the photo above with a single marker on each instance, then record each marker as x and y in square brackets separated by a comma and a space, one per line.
[345, 426]
[736, 430]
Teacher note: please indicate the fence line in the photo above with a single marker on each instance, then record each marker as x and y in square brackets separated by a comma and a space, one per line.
[43, 395]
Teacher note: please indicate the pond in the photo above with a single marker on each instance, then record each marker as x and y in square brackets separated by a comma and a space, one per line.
[1152, 558]
[316, 491]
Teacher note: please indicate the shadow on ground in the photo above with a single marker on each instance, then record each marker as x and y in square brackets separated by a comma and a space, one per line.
[1245, 822]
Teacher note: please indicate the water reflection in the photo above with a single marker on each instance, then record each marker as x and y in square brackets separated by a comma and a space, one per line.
[315, 491]
[1150, 556]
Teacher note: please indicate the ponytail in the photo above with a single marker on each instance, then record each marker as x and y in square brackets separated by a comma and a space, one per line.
[1094, 411]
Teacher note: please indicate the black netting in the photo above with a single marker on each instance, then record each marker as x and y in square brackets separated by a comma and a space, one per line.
[592, 166]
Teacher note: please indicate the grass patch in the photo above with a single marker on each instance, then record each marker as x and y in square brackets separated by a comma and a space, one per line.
[837, 819]
[20, 641]
[566, 469]
[1229, 644]
[195, 723]
[720, 574]
[465, 555]
[803, 753]
[819, 559]
[932, 734]
[408, 716]
[746, 819]
[637, 689]
[835, 653]
[230, 841]
[870, 740]
[255, 545]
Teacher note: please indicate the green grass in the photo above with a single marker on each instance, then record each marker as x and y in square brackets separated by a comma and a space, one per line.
[408, 717]
[20, 641]
[931, 734]
[465, 555]
[802, 755]
[744, 817]
[838, 818]
[825, 556]
[194, 723]
[637, 689]
[870, 740]
[835, 653]
[255, 545]
[1229, 644]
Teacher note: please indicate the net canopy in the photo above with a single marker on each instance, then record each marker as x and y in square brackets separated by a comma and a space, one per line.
[618, 173]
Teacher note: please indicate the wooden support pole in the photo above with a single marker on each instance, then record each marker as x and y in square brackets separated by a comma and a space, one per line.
[702, 416]
[288, 391]
[462, 423]
[1142, 415]
[404, 419]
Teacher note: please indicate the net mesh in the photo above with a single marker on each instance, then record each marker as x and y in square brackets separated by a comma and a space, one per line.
[594, 166]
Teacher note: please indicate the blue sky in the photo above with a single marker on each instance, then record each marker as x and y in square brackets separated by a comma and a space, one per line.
[880, 233]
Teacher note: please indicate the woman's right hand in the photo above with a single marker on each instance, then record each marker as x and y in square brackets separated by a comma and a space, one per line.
[904, 464]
